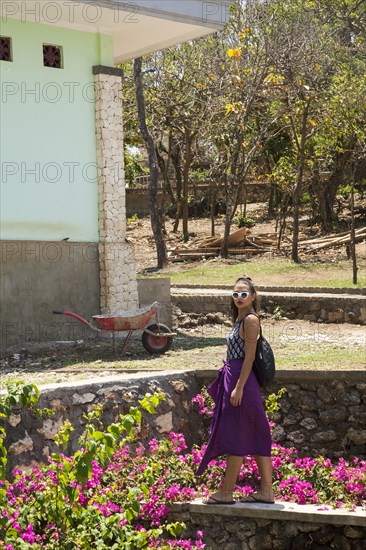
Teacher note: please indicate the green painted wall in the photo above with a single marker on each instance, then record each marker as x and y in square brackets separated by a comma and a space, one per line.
[48, 149]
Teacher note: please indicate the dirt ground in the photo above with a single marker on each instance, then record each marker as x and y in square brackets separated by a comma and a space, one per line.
[140, 233]
[296, 344]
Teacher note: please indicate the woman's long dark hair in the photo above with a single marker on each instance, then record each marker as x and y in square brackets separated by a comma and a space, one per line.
[233, 309]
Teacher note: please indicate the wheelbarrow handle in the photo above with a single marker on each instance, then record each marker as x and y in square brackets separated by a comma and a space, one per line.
[77, 317]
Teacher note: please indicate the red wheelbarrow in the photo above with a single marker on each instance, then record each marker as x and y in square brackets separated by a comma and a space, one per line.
[156, 338]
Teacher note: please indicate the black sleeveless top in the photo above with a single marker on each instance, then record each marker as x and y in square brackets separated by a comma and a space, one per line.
[235, 344]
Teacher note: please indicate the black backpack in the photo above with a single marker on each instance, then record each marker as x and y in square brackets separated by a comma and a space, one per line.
[264, 366]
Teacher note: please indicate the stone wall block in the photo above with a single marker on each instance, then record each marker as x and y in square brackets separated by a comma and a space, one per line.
[296, 437]
[350, 398]
[353, 532]
[337, 315]
[333, 415]
[308, 401]
[309, 424]
[260, 542]
[363, 314]
[358, 418]
[326, 394]
[22, 445]
[324, 535]
[329, 435]
[358, 437]
[292, 419]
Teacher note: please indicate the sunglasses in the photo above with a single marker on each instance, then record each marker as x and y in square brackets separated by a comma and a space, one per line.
[242, 295]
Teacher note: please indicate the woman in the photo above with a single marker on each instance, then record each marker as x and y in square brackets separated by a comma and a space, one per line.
[239, 424]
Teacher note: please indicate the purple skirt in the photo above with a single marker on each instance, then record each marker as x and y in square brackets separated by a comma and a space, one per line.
[237, 431]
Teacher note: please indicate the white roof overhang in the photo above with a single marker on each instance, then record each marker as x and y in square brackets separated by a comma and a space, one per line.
[138, 27]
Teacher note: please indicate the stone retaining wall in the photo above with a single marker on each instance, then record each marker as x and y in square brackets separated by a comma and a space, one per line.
[322, 413]
[283, 526]
[137, 199]
[30, 440]
[290, 289]
[318, 307]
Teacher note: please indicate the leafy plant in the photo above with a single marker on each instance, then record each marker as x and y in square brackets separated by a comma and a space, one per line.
[278, 313]
[345, 191]
[272, 402]
[198, 175]
[305, 198]
[244, 221]
[114, 492]
[133, 218]
[20, 397]
[133, 166]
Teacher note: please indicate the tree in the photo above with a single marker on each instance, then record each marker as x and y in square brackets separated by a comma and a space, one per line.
[279, 91]
[178, 93]
[156, 222]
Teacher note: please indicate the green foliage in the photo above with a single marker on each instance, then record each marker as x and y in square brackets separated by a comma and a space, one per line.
[133, 166]
[198, 175]
[272, 402]
[20, 397]
[278, 313]
[244, 221]
[345, 190]
[100, 499]
[305, 198]
[73, 514]
[133, 218]
[284, 173]
[150, 402]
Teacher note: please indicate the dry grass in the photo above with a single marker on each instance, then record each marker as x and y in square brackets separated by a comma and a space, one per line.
[297, 345]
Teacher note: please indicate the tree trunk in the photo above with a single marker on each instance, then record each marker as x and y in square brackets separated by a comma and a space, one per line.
[229, 187]
[282, 218]
[187, 165]
[212, 199]
[327, 191]
[271, 201]
[164, 168]
[176, 158]
[155, 214]
[313, 184]
[353, 236]
[298, 186]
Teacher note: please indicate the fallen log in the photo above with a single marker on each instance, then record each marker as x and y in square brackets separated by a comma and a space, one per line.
[194, 254]
[332, 238]
[338, 242]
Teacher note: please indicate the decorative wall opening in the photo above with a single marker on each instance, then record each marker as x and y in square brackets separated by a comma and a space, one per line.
[5, 49]
[52, 56]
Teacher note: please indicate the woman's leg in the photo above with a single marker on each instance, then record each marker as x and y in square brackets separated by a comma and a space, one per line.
[265, 471]
[233, 466]
[225, 492]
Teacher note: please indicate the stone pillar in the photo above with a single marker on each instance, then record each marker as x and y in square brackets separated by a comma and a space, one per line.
[116, 256]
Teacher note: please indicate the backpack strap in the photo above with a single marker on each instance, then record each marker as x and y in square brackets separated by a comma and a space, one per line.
[259, 319]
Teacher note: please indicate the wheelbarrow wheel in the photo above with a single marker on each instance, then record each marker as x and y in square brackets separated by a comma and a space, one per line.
[156, 344]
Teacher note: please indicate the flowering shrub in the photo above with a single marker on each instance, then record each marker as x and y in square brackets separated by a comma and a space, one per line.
[302, 480]
[114, 492]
